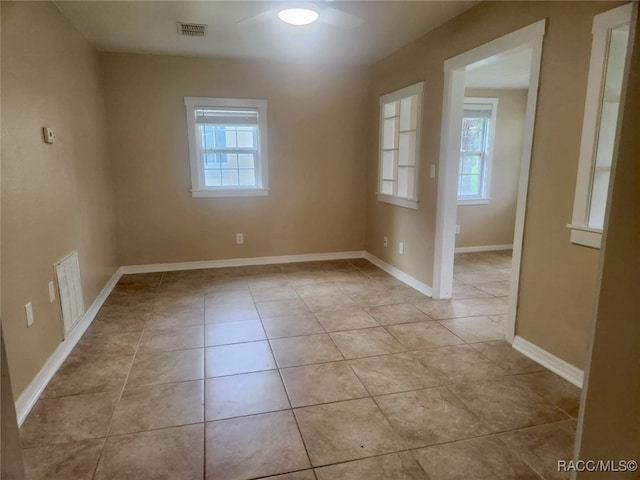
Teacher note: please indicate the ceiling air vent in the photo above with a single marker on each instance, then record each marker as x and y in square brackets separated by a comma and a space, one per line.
[192, 29]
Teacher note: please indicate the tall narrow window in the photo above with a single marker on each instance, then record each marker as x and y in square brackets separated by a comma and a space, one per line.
[400, 116]
[478, 131]
[227, 142]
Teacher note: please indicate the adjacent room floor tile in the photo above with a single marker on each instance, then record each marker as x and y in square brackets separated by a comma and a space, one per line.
[321, 383]
[430, 416]
[462, 290]
[485, 458]
[158, 406]
[506, 404]
[401, 466]
[291, 325]
[246, 394]
[172, 339]
[68, 419]
[458, 363]
[366, 342]
[234, 332]
[337, 432]
[239, 358]
[346, 319]
[176, 452]
[254, 446]
[294, 351]
[475, 329]
[397, 313]
[423, 335]
[66, 461]
[167, 367]
[497, 289]
[470, 307]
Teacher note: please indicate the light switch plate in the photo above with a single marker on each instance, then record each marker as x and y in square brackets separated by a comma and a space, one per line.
[49, 134]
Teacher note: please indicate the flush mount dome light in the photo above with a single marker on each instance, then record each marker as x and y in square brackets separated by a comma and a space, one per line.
[298, 16]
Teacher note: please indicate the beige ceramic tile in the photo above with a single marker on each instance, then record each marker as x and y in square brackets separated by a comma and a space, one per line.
[423, 335]
[475, 329]
[485, 458]
[397, 313]
[497, 289]
[503, 354]
[273, 293]
[401, 466]
[395, 373]
[162, 319]
[109, 323]
[337, 432]
[159, 406]
[430, 416]
[329, 303]
[555, 389]
[179, 300]
[470, 307]
[66, 461]
[319, 289]
[167, 367]
[459, 363]
[231, 313]
[294, 351]
[462, 290]
[542, 447]
[171, 339]
[373, 298]
[120, 344]
[303, 475]
[233, 332]
[519, 406]
[68, 419]
[239, 358]
[172, 453]
[347, 319]
[213, 298]
[247, 394]
[366, 342]
[82, 373]
[254, 446]
[278, 308]
[292, 325]
[322, 383]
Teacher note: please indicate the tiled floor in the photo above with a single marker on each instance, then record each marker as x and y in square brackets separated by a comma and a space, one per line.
[327, 370]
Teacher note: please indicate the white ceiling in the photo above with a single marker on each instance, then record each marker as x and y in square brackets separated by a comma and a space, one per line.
[509, 70]
[150, 26]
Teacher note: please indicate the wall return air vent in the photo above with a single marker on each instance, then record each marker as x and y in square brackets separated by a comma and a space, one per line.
[192, 29]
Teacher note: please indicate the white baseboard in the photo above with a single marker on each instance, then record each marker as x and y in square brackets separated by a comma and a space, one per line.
[241, 262]
[29, 397]
[400, 275]
[556, 365]
[483, 248]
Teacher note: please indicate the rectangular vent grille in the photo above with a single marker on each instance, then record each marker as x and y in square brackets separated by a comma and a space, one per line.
[192, 29]
[70, 292]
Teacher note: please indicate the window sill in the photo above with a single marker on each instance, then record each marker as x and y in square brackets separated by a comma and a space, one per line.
[239, 192]
[398, 201]
[473, 201]
[586, 236]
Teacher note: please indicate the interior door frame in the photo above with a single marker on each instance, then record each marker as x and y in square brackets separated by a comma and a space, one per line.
[453, 104]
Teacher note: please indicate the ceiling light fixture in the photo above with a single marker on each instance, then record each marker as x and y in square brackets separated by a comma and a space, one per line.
[298, 16]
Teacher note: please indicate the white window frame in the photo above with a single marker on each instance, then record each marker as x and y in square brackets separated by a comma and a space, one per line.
[485, 188]
[198, 187]
[407, 202]
[581, 232]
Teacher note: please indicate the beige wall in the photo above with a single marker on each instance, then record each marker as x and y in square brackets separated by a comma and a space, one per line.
[556, 276]
[610, 418]
[55, 198]
[316, 159]
[494, 223]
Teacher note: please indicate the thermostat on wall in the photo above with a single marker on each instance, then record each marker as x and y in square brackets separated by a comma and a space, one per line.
[49, 134]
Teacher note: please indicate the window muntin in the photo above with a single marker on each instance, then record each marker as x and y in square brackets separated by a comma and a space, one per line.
[478, 125]
[400, 114]
[227, 140]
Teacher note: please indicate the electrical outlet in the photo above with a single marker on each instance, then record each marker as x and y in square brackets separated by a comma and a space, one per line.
[385, 242]
[239, 238]
[49, 134]
[401, 248]
[28, 309]
[433, 170]
[457, 229]
[52, 292]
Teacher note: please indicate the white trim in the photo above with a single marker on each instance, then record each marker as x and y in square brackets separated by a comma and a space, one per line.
[528, 37]
[483, 248]
[397, 201]
[241, 262]
[473, 201]
[585, 236]
[232, 192]
[558, 366]
[399, 274]
[30, 395]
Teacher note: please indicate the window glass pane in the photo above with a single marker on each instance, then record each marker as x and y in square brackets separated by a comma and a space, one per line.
[606, 138]
[473, 134]
[230, 137]
[599, 197]
[232, 160]
[390, 133]
[230, 177]
[247, 177]
[388, 187]
[245, 160]
[469, 185]
[211, 160]
[389, 164]
[245, 137]
[408, 113]
[471, 164]
[405, 182]
[407, 149]
[212, 178]
[390, 109]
